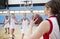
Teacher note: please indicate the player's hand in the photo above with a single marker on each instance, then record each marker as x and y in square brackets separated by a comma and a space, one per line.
[32, 22]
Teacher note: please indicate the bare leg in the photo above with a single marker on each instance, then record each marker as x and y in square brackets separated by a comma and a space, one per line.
[12, 32]
[8, 31]
[5, 30]
[22, 36]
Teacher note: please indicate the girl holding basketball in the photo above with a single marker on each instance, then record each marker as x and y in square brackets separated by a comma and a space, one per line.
[48, 28]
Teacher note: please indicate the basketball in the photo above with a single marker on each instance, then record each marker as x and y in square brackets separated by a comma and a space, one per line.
[39, 20]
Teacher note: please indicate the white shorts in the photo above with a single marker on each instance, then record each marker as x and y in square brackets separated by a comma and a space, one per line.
[6, 26]
[12, 26]
[24, 30]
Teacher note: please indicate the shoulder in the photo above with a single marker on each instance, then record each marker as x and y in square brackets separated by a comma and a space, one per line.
[45, 22]
[45, 25]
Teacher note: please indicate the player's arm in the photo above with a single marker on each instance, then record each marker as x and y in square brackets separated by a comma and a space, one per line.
[32, 22]
[42, 29]
[4, 22]
[21, 20]
[28, 21]
[17, 20]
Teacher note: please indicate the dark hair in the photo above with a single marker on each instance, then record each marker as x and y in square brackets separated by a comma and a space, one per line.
[6, 16]
[55, 9]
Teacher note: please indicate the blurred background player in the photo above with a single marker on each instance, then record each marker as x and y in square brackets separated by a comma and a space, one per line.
[13, 20]
[6, 24]
[25, 26]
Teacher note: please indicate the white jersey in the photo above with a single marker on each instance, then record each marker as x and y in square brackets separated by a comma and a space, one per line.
[25, 26]
[6, 23]
[12, 23]
[55, 31]
[24, 23]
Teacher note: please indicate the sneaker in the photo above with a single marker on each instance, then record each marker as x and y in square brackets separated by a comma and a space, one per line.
[13, 35]
[8, 33]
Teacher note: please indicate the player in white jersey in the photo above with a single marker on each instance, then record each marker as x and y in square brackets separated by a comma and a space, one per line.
[12, 24]
[49, 28]
[25, 26]
[6, 24]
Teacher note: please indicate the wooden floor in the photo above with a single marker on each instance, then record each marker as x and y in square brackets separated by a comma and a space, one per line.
[4, 35]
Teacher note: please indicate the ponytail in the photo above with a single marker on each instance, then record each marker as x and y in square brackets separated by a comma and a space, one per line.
[58, 19]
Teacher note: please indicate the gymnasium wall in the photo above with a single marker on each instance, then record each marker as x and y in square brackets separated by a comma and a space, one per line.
[18, 8]
[19, 17]
[33, 1]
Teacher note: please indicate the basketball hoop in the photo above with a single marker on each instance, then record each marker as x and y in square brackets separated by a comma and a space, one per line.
[26, 5]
